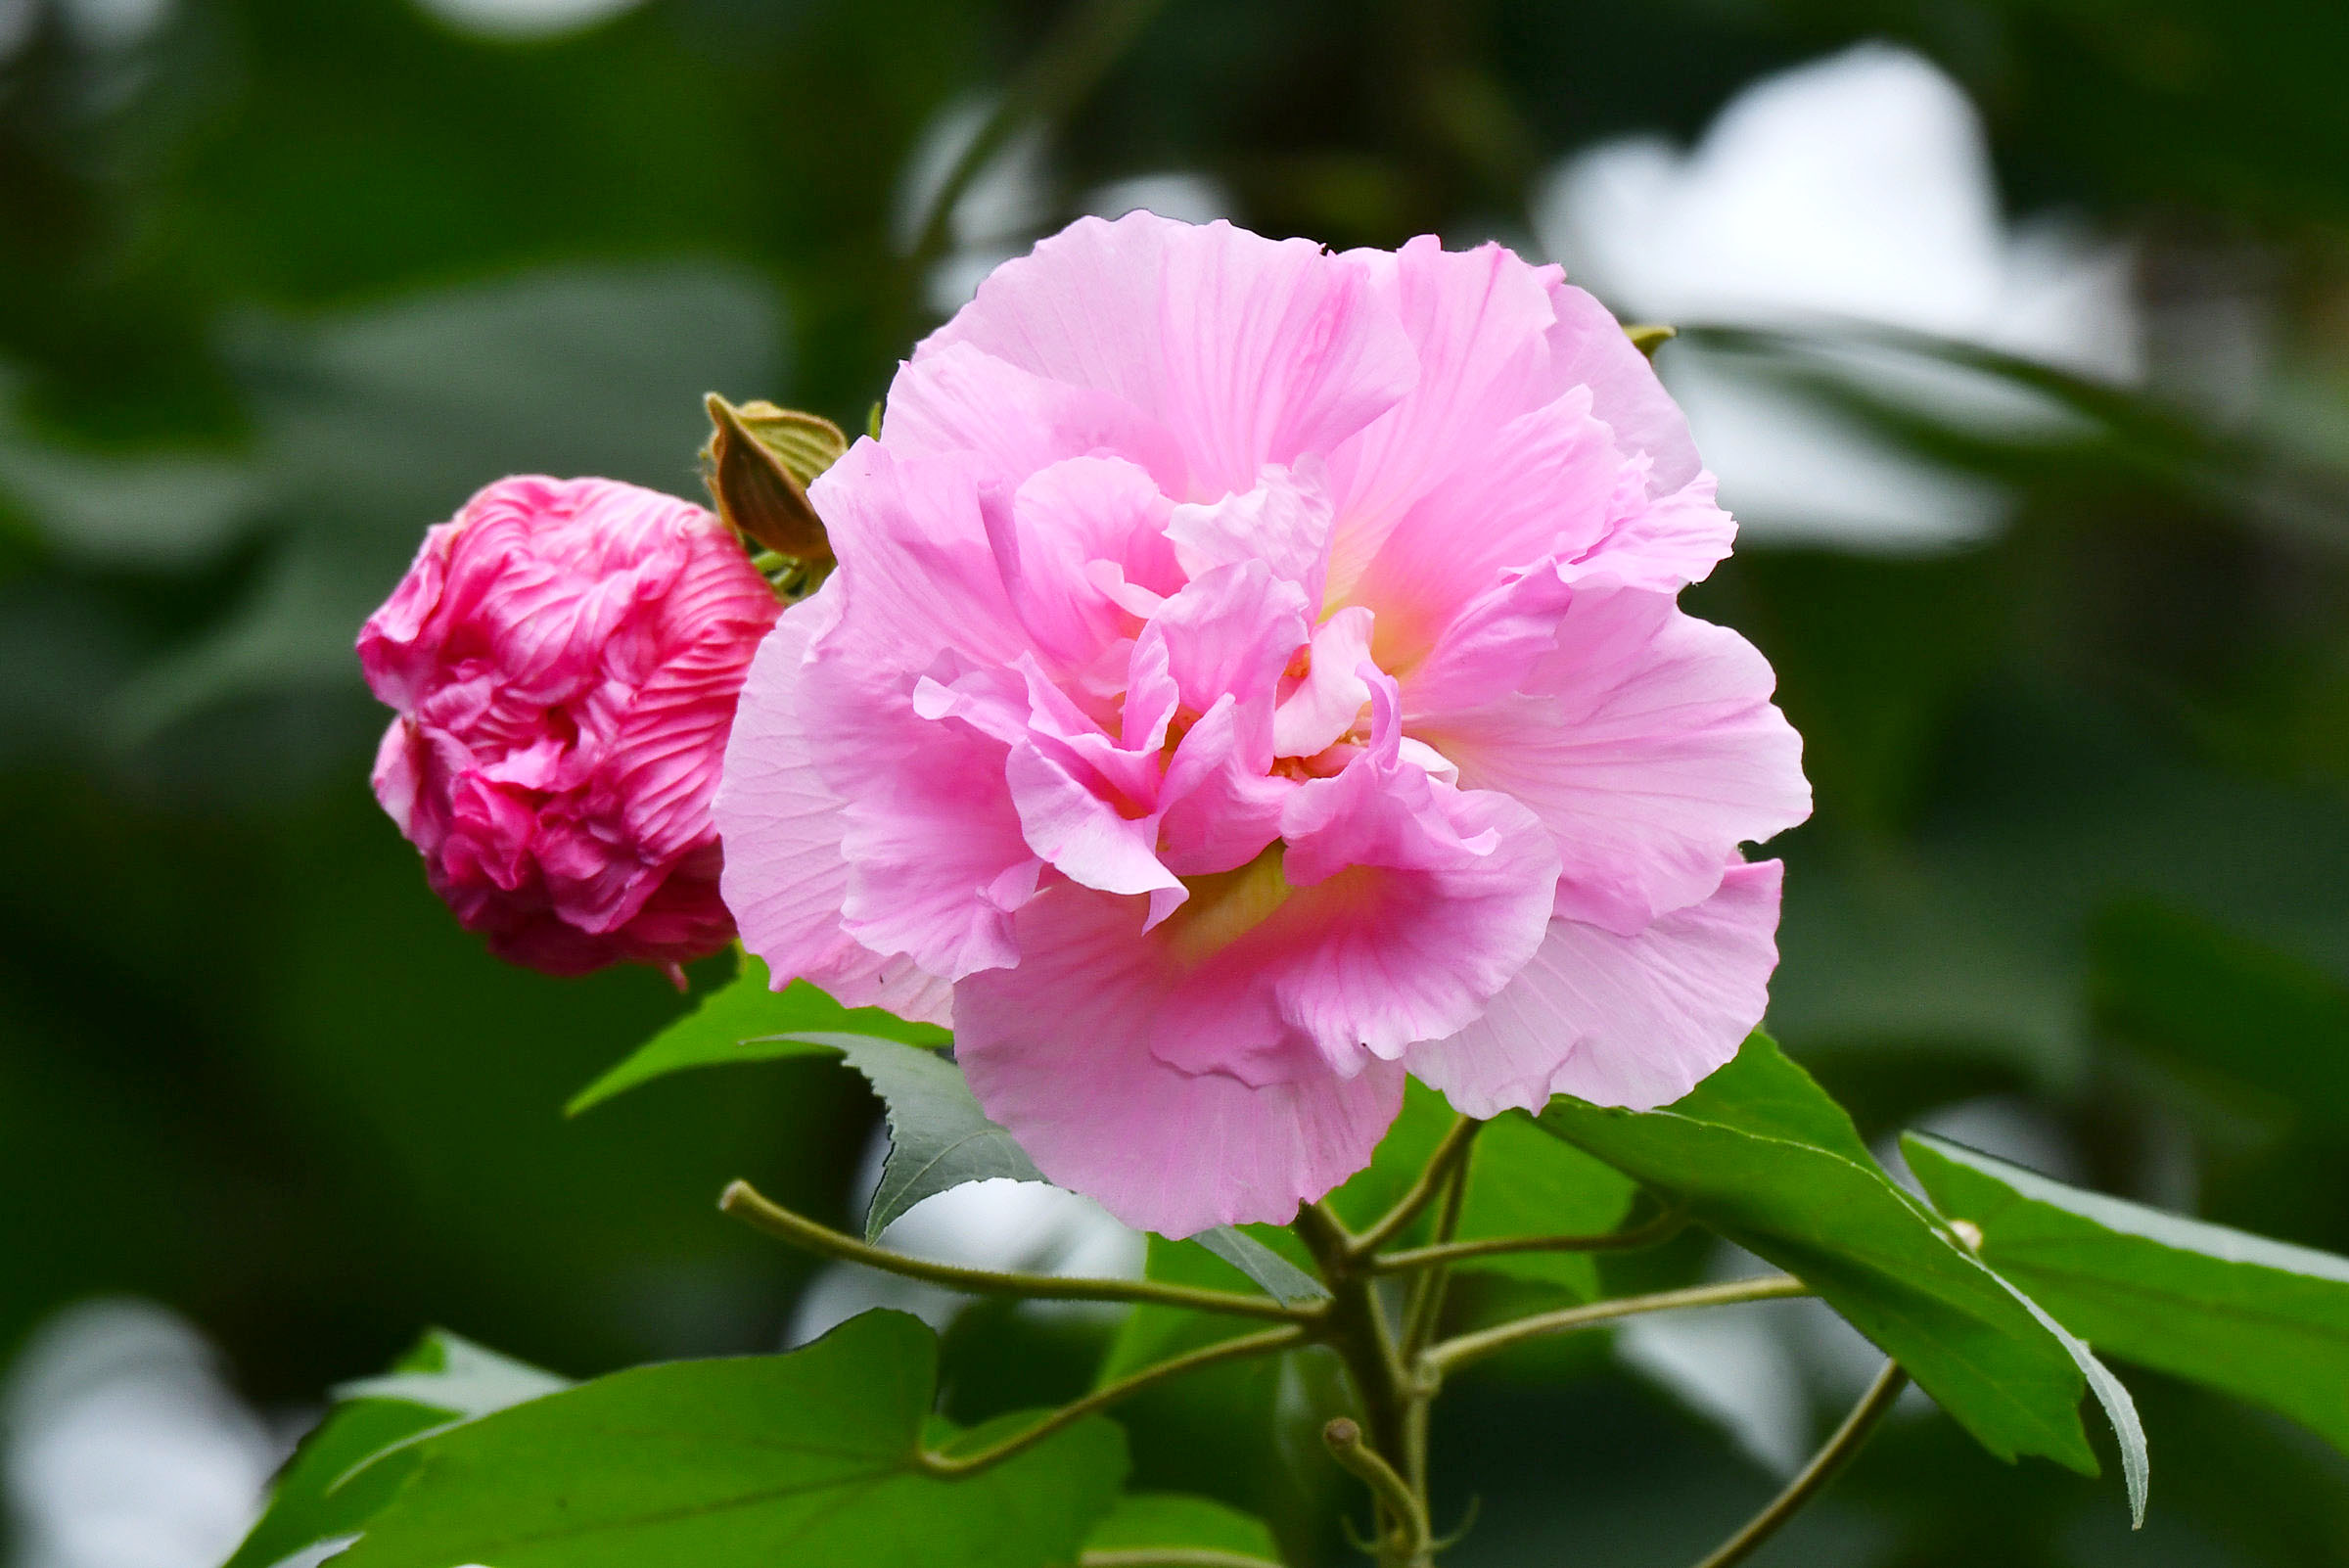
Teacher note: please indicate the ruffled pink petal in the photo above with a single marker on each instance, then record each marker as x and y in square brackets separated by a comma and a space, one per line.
[1547, 490]
[1662, 542]
[918, 575]
[1284, 523]
[937, 858]
[1078, 833]
[1330, 698]
[1251, 352]
[784, 875]
[1217, 812]
[955, 399]
[1634, 1021]
[1647, 743]
[1398, 908]
[1232, 632]
[1587, 348]
[1057, 1051]
[1060, 522]
[1477, 319]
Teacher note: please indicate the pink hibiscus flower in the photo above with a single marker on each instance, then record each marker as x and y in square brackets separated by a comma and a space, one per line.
[1252, 674]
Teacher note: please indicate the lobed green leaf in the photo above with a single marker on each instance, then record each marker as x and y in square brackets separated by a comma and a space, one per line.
[1161, 1521]
[351, 1465]
[812, 1457]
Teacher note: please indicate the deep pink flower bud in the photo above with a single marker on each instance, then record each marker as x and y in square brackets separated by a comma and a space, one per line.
[565, 657]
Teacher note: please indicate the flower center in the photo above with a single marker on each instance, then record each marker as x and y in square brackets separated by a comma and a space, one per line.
[1225, 905]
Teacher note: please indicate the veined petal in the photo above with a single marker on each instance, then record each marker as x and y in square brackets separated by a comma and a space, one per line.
[1397, 908]
[784, 876]
[1057, 1051]
[1231, 633]
[1588, 347]
[1248, 351]
[1647, 742]
[1477, 319]
[957, 398]
[1634, 1021]
[1284, 522]
[1547, 490]
[918, 575]
[1062, 520]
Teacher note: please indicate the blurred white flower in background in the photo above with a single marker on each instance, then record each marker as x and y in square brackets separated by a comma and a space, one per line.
[124, 1448]
[1186, 195]
[523, 19]
[1855, 190]
[1023, 1227]
[996, 215]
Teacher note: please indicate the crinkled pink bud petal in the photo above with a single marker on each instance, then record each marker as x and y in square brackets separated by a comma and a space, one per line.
[565, 658]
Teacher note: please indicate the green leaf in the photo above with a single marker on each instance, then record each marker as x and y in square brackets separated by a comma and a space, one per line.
[1280, 1279]
[1762, 1155]
[1524, 1182]
[937, 1135]
[349, 1467]
[1149, 1335]
[2260, 1319]
[1144, 1521]
[744, 1021]
[809, 1457]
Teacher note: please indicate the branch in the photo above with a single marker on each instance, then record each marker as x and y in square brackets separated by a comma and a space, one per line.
[1451, 1151]
[950, 1465]
[1661, 1227]
[1454, 1354]
[744, 1203]
[1821, 1469]
[1172, 1557]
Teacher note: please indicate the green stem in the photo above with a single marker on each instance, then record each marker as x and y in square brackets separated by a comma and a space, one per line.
[1831, 1456]
[1399, 1499]
[746, 1204]
[950, 1464]
[1449, 1356]
[1357, 1328]
[1662, 1227]
[1420, 1318]
[1450, 1152]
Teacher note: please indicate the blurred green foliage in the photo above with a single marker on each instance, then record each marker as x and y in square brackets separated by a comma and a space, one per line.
[282, 282]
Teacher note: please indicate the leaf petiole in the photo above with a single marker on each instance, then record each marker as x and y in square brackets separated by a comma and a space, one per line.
[1830, 1458]
[1454, 1354]
[1267, 1342]
[744, 1202]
